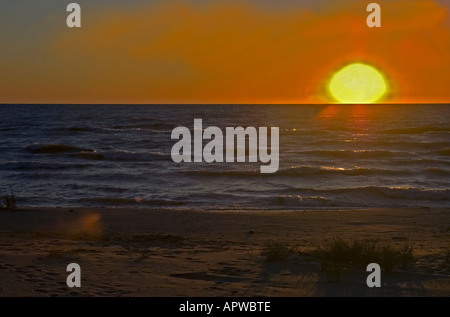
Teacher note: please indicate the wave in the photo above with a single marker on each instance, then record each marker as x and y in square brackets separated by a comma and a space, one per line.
[354, 154]
[329, 130]
[438, 171]
[91, 154]
[123, 155]
[422, 162]
[39, 165]
[416, 130]
[134, 201]
[79, 129]
[442, 152]
[406, 193]
[95, 187]
[309, 201]
[403, 145]
[295, 131]
[310, 171]
[159, 126]
[40, 148]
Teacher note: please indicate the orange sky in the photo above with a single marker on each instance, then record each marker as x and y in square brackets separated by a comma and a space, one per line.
[229, 52]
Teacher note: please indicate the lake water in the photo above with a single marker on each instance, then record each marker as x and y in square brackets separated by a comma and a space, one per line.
[331, 156]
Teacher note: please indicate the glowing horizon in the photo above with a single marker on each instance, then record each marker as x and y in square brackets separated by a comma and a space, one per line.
[220, 52]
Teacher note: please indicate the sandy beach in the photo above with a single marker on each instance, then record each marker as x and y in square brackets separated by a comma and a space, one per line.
[143, 252]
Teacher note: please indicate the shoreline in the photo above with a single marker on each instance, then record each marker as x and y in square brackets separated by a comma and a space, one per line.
[153, 252]
[222, 210]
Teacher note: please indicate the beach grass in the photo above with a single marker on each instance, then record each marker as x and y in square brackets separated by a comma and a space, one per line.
[336, 255]
[276, 251]
[359, 253]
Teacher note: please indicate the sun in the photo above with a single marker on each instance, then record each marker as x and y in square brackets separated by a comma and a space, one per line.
[358, 83]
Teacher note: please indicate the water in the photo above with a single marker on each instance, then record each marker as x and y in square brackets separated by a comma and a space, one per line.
[331, 156]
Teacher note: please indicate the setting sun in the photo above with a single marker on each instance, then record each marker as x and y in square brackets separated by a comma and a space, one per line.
[357, 83]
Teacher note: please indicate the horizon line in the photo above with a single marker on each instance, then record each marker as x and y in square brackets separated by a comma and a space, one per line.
[227, 104]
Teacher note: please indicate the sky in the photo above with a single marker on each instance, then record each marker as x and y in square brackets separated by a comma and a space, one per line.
[218, 51]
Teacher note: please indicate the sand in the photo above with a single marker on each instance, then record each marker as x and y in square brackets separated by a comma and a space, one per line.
[138, 252]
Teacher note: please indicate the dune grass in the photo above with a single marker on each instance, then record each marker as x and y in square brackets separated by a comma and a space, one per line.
[276, 251]
[363, 252]
[338, 254]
